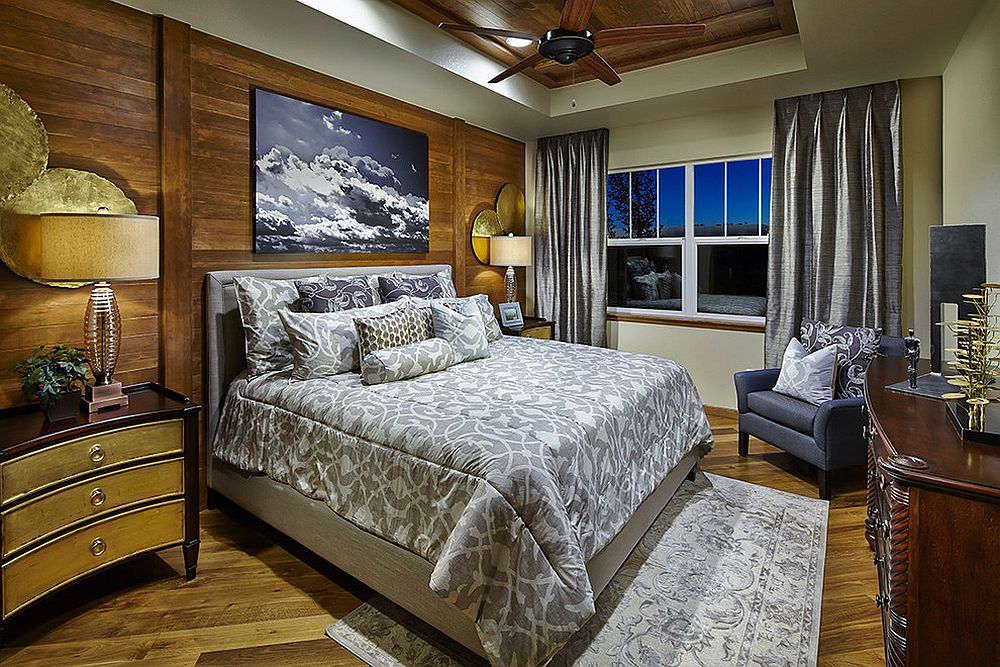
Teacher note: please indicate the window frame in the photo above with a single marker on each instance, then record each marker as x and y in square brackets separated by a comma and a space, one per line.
[690, 243]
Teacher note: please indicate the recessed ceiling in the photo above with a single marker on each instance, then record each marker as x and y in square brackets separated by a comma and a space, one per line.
[729, 23]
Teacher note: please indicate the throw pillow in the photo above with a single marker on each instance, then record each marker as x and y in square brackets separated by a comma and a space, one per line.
[856, 347]
[330, 294]
[664, 285]
[493, 332]
[400, 327]
[408, 361]
[807, 377]
[325, 344]
[463, 329]
[259, 301]
[397, 285]
[645, 286]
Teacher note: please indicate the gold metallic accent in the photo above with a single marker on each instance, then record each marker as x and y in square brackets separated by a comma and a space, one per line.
[484, 227]
[97, 497]
[977, 358]
[24, 145]
[510, 209]
[98, 547]
[97, 454]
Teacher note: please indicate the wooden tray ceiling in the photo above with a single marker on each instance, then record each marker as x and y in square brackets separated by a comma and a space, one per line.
[730, 23]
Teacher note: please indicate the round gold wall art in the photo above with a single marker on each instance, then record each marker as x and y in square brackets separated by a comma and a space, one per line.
[58, 191]
[486, 225]
[510, 209]
[24, 145]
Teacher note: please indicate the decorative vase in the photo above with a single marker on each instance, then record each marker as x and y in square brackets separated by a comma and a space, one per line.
[66, 406]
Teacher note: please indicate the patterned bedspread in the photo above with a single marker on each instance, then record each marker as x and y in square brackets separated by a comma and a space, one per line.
[506, 473]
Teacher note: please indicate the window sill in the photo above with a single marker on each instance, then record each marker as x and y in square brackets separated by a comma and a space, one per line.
[687, 321]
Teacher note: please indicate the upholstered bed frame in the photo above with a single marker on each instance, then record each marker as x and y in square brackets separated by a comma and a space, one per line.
[394, 572]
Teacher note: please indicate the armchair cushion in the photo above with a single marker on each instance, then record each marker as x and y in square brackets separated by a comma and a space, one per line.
[784, 410]
[748, 382]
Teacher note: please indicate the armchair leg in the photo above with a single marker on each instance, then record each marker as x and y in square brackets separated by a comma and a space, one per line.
[743, 443]
[824, 484]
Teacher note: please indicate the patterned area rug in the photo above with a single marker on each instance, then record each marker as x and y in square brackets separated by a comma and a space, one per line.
[730, 573]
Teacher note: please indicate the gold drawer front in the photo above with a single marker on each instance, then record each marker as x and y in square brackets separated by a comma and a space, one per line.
[44, 515]
[538, 332]
[73, 458]
[61, 561]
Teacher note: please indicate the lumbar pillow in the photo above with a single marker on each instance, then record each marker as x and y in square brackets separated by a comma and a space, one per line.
[807, 377]
[260, 300]
[325, 344]
[463, 329]
[402, 326]
[856, 347]
[397, 285]
[407, 361]
[493, 332]
[329, 294]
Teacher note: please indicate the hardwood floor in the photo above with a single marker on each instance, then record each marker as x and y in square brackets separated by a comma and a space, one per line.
[260, 599]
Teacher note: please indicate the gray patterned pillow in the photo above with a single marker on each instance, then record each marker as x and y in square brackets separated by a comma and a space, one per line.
[462, 328]
[856, 347]
[329, 294]
[398, 285]
[325, 344]
[401, 327]
[645, 286]
[408, 361]
[493, 332]
[259, 301]
[807, 377]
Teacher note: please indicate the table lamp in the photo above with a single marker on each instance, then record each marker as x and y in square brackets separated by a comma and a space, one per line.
[93, 247]
[510, 251]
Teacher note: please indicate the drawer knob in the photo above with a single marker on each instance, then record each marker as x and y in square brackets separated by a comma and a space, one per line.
[98, 547]
[97, 454]
[97, 497]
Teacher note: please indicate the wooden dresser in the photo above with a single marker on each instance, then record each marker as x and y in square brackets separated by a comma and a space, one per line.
[934, 526]
[533, 327]
[79, 495]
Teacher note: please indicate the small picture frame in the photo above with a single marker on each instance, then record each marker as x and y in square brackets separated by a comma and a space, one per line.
[510, 315]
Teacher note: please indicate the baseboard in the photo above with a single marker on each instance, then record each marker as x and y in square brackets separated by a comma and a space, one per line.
[716, 411]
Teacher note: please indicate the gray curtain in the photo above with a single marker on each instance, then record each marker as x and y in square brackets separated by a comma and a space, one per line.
[836, 213]
[571, 234]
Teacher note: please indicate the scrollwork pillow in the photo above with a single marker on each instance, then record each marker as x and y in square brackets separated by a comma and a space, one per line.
[807, 377]
[330, 294]
[463, 329]
[856, 347]
[409, 361]
[403, 326]
[493, 332]
[398, 285]
[259, 301]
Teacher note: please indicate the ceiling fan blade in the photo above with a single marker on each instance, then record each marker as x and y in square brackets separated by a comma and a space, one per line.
[646, 33]
[488, 32]
[576, 14]
[517, 67]
[599, 67]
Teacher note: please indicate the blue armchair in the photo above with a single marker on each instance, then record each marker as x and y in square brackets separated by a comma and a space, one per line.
[829, 436]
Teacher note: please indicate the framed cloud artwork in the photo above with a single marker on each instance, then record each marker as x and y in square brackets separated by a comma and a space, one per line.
[329, 181]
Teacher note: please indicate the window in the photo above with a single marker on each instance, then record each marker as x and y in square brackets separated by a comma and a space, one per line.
[705, 221]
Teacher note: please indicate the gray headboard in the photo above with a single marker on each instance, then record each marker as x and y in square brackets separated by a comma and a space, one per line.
[225, 348]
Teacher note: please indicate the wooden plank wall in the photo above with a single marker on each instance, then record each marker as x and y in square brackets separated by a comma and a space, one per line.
[89, 69]
[92, 70]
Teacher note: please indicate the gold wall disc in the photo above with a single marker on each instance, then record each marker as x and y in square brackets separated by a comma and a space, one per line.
[58, 191]
[510, 209]
[485, 226]
[24, 145]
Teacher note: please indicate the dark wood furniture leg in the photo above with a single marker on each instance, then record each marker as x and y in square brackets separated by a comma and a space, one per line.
[743, 443]
[824, 483]
[692, 473]
[191, 559]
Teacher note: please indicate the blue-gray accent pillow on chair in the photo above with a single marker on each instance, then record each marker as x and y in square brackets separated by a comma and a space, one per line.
[829, 435]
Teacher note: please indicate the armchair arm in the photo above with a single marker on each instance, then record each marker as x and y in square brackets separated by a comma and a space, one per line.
[748, 382]
[838, 430]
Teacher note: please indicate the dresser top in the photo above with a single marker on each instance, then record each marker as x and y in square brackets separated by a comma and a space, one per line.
[25, 427]
[920, 427]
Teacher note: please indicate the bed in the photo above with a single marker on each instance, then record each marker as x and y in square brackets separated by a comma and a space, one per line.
[493, 500]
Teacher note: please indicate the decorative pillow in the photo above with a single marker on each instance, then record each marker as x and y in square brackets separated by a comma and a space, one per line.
[676, 285]
[807, 377]
[259, 301]
[325, 344]
[462, 328]
[408, 361]
[493, 332]
[402, 326]
[645, 286]
[664, 285]
[856, 346]
[397, 285]
[330, 294]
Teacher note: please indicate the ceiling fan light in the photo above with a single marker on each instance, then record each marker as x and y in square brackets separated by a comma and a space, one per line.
[519, 42]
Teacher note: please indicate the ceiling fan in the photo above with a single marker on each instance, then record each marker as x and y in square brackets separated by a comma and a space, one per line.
[572, 43]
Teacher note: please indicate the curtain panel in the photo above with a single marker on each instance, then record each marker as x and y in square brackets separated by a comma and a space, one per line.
[836, 238]
[571, 234]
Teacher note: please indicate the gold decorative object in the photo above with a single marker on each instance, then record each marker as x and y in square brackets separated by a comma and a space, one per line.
[977, 357]
[88, 247]
[507, 217]
[485, 226]
[24, 145]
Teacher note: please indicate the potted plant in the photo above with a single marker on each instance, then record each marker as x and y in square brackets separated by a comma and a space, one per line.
[53, 378]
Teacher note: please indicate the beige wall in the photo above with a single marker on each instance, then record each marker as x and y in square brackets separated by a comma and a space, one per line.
[971, 95]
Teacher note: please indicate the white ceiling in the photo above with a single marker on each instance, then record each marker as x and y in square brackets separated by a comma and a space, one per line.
[378, 45]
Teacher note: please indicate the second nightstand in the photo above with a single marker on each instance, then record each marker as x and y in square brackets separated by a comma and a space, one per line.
[533, 327]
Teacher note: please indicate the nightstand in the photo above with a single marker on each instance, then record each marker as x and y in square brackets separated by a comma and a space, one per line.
[533, 327]
[81, 494]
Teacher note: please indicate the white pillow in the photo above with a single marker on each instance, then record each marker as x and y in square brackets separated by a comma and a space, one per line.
[807, 377]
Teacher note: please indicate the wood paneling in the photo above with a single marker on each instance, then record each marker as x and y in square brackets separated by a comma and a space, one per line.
[730, 23]
[89, 69]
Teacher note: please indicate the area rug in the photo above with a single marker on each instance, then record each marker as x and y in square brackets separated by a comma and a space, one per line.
[730, 573]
